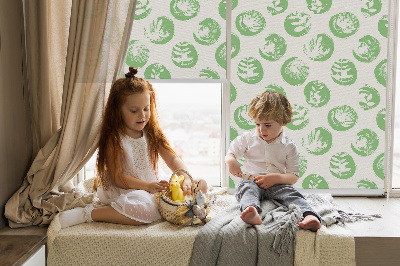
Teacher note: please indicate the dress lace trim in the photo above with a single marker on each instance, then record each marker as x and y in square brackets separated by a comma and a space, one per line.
[141, 160]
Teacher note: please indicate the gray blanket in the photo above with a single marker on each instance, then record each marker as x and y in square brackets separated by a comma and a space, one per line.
[227, 240]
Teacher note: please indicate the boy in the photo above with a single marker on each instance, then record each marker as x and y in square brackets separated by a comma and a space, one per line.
[273, 156]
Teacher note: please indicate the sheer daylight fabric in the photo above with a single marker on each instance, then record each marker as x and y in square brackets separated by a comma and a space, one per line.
[95, 46]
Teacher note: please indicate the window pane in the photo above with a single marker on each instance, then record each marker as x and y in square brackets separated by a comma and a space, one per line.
[90, 167]
[190, 116]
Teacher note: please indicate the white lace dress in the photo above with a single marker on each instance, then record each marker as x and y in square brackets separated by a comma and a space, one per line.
[138, 205]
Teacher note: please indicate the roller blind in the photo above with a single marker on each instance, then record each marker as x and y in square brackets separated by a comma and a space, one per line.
[328, 57]
[179, 39]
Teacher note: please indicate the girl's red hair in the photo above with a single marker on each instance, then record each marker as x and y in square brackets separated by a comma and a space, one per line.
[112, 126]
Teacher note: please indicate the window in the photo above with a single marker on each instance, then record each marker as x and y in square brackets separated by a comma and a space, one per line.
[190, 116]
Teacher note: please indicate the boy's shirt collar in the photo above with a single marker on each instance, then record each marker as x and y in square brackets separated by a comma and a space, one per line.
[279, 139]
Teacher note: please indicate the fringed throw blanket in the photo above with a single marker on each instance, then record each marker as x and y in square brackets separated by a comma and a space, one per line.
[227, 240]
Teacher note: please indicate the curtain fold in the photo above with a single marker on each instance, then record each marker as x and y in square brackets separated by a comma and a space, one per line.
[46, 35]
[95, 40]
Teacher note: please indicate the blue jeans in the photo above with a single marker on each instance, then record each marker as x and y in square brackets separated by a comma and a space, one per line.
[250, 194]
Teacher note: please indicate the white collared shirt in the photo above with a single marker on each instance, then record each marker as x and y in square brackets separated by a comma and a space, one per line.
[279, 156]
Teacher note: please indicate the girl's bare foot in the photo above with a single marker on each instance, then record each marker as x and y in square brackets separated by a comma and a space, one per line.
[310, 222]
[250, 216]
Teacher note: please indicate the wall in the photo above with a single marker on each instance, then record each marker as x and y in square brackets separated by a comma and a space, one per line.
[15, 131]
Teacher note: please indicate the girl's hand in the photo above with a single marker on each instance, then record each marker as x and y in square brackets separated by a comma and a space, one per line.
[187, 186]
[155, 187]
[265, 181]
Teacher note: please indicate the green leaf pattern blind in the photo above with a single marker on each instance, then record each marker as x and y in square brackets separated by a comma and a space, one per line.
[178, 39]
[329, 58]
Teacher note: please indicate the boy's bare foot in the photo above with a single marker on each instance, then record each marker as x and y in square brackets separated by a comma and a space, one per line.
[250, 216]
[310, 222]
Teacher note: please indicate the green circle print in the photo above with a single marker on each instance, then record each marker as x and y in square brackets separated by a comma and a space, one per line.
[315, 181]
[277, 88]
[380, 72]
[250, 70]
[367, 50]
[342, 165]
[184, 9]
[344, 24]
[233, 93]
[344, 72]
[250, 23]
[137, 54]
[160, 31]
[319, 48]
[297, 24]
[233, 134]
[274, 47]
[300, 118]
[184, 55]
[277, 7]
[220, 53]
[157, 71]
[294, 71]
[317, 93]
[371, 7]
[142, 10]
[208, 32]
[209, 73]
[222, 7]
[242, 119]
[319, 6]
[365, 183]
[370, 97]
[379, 166]
[342, 118]
[366, 143]
[302, 165]
[381, 119]
[383, 26]
[318, 141]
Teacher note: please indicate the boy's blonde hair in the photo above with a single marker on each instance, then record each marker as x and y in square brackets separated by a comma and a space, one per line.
[271, 105]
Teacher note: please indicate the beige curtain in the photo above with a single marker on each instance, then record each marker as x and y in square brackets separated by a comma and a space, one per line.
[98, 35]
[46, 38]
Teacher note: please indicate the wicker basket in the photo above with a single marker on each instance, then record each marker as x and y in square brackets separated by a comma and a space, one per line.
[176, 212]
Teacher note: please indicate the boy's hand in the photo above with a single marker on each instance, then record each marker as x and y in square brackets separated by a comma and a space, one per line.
[233, 165]
[265, 181]
[235, 170]
[154, 187]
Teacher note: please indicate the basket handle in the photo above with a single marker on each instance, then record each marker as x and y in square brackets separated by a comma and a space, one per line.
[186, 172]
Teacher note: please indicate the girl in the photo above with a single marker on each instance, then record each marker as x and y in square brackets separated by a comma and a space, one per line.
[131, 142]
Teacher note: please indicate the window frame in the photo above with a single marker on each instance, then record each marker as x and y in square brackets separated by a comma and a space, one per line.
[391, 88]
